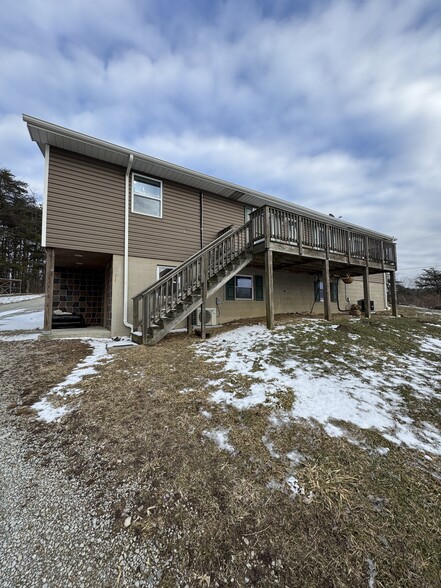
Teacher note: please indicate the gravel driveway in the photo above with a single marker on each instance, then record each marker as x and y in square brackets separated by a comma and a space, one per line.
[54, 529]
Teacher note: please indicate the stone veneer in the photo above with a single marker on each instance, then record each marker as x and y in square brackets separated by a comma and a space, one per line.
[80, 291]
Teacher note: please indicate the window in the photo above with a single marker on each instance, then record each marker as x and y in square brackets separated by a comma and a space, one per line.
[147, 196]
[163, 270]
[318, 291]
[244, 288]
[247, 212]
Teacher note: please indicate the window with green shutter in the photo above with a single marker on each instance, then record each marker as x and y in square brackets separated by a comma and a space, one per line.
[318, 290]
[244, 288]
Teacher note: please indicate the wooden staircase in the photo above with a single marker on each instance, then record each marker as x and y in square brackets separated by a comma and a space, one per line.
[162, 306]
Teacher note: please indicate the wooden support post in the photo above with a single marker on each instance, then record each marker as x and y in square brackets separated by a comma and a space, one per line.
[269, 289]
[189, 325]
[145, 318]
[300, 221]
[367, 302]
[267, 226]
[326, 289]
[327, 240]
[204, 280]
[393, 294]
[49, 288]
[348, 244]
[136, 314]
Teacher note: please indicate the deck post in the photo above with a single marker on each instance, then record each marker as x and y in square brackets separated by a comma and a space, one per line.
[204, 280]
[189, 325]
[135, 314]
[326, 289]
[366, 293]
[300, 225]
[49, 288]
[269, 289]
[145, 301]
[393, 294]
[267, 226]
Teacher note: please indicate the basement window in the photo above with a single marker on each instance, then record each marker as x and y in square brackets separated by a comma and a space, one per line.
[146, 196]
[244, 288]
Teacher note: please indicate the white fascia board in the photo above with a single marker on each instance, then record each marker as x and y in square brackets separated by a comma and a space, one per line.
[45, 195]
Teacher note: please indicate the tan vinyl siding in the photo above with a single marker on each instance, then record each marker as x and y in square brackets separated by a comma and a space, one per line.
[220, 213]
[373, 278]
[85, 208]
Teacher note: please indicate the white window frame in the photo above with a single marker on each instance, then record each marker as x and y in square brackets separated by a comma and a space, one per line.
[235, 287]
[248, 211]
[148, 180]
[161, 268]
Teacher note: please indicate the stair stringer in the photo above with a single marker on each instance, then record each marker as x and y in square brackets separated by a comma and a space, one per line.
[171, 323]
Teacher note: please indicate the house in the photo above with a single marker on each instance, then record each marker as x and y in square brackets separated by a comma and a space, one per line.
[136, 244]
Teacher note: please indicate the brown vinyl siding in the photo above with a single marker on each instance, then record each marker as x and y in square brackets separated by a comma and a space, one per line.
[86, 212]
[176, 235]
[85, 208]
[220, 213]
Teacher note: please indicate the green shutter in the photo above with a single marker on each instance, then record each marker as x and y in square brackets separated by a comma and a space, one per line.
[334, 291]
[317, 290]
[229, 290]
[258, 287]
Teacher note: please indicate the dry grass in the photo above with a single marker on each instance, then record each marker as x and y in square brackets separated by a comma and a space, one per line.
[229, 519]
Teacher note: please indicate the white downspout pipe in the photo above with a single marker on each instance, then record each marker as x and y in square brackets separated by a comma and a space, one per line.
[126, 245]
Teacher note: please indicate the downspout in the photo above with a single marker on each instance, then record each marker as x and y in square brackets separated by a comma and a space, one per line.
[126, 245]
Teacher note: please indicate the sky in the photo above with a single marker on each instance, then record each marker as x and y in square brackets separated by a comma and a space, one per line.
[331, 104]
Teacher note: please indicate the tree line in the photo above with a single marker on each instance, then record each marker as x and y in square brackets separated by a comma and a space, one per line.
[425, 292]
[21, 254]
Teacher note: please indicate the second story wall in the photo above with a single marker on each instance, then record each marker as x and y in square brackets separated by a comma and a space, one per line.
[85, 211]
[85, 206]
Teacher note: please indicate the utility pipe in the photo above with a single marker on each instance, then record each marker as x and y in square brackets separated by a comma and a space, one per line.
[126, 244]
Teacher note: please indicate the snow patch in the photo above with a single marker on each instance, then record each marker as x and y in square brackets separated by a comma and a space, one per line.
[68, 387]
[370, 399]
[220, 437]
[21, 298]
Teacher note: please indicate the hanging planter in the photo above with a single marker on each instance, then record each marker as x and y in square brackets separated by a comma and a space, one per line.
[348, 279]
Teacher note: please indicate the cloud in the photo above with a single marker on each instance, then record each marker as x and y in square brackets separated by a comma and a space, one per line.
[333, 104]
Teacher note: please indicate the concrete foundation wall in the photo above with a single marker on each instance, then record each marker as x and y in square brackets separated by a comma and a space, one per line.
[293, 292]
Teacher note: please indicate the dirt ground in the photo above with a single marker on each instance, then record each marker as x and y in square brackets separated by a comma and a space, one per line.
[190, 514]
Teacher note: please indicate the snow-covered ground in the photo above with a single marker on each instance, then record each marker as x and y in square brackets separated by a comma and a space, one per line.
[348, 392]
[27, 322]
[19, 319]
[45, 408]
[19, 298]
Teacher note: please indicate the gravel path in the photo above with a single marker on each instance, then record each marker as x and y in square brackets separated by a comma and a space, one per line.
[56, 531]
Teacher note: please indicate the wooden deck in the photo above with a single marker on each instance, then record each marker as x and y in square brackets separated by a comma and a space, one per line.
[286, 232]
[311, 245]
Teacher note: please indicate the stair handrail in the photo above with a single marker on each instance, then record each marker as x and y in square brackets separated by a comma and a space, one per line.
[179, 267]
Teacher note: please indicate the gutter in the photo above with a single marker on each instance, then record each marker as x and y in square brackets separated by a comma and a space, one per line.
[126, 244]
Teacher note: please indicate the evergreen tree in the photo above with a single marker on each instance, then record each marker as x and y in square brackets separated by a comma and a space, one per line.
[21, 256]
[429, 280]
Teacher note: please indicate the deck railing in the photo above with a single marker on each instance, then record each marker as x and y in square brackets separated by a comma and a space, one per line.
[302, 235]
[275, 225]
[165, 295]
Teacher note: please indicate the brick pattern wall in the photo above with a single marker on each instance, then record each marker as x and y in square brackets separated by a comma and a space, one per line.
[108, 296]
[80, 291]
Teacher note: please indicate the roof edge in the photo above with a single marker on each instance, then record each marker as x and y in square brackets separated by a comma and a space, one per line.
[33, 122]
